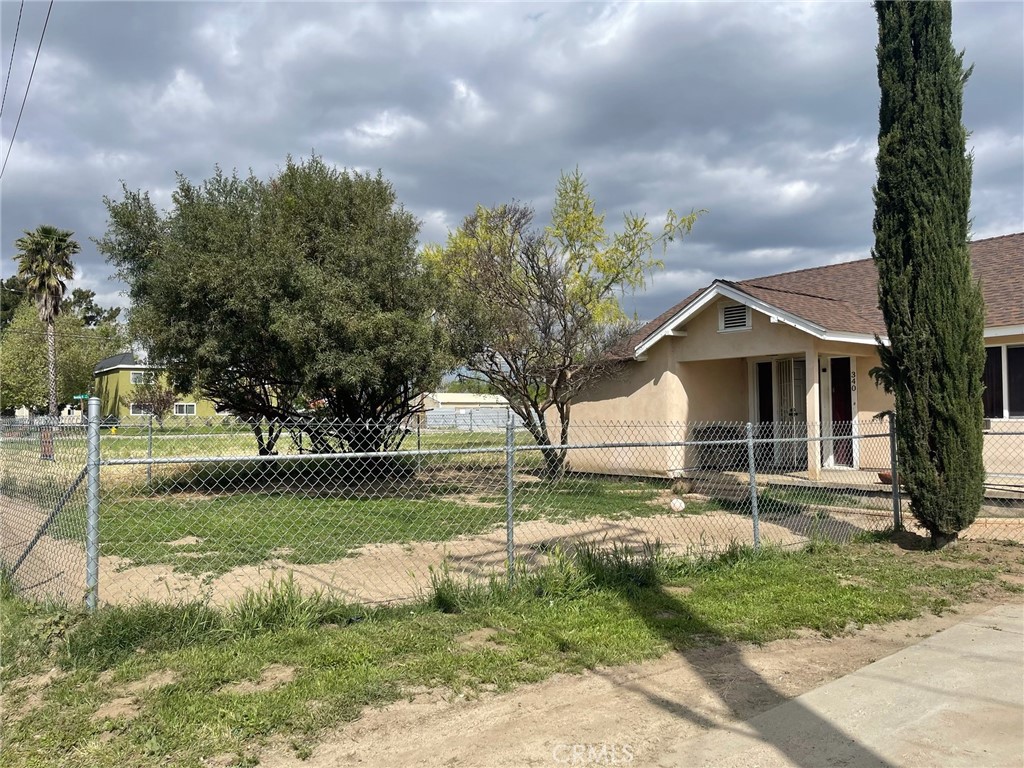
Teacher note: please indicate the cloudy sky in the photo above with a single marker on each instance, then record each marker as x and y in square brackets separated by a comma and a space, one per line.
[763, 113]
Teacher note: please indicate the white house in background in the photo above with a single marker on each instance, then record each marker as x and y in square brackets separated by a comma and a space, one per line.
[467, 411]
[463, 400]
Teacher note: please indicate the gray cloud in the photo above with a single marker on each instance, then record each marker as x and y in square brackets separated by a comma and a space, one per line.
[765, 114]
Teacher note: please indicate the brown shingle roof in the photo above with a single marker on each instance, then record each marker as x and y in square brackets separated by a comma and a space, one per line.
[844, 297]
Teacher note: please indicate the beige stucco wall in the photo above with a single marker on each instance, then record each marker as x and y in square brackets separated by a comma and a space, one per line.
[636, 405]
[641, 391]
[703, 341]
[714, 390]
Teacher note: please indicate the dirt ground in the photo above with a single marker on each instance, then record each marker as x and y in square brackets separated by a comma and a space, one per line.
[55, 567]
[638, 710]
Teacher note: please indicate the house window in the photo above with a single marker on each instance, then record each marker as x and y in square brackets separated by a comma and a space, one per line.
[184, 409]
[138, 377]
[139, 410]
[1004, 382]
[733, 317]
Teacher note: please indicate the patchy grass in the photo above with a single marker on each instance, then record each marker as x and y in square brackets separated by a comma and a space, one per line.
[189, 682]
[577, 498]
[243, 529]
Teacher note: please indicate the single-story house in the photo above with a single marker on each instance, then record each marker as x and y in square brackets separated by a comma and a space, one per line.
[791, 354]
[114, 381]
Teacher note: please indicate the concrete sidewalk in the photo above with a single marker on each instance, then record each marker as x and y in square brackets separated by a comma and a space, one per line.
[955, 699]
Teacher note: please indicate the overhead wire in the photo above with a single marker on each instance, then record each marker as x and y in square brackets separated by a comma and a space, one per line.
[10, 66]
[24, 99]
[81, 335]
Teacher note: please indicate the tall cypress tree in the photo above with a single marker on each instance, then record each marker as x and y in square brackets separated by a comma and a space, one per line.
[933, 308]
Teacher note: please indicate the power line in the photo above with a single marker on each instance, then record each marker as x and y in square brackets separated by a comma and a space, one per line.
[81, 335]
[29, 85]
[10, 66]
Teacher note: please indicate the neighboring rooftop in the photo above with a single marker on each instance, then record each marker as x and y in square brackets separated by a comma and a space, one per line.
[844, 297]
[465, 399]
[122, 360]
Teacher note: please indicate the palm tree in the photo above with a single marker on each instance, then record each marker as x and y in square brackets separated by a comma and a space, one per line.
[44, 262]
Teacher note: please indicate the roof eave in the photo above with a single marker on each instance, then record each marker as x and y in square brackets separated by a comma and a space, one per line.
[721, 288]
[996, 331]
[135, 367]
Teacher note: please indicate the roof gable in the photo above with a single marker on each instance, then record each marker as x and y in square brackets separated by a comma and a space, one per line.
[840, 301]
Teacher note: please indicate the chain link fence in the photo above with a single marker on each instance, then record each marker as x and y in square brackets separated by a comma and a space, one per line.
[188, 510]
[43, 508]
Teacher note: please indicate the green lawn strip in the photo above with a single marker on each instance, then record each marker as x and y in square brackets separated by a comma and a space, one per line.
[243, 529]
[178, 426]
[165, 445]
[571, 618]
[579, 499]
[133, 442]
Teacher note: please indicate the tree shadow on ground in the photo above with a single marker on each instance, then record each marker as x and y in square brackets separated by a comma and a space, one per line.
[907, 540]
[719, 662]
[807, 520]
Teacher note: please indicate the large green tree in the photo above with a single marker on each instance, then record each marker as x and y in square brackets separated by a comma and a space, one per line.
[12, 294]
[299, 300]
[44, 263]
[23, 369]
[83, 305]
[932, 305]
[538, 308]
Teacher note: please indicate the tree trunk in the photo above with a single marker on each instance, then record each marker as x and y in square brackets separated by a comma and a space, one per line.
[554, 462]
[554, 455]
[538, 429]
[51, 365]
[265, 446]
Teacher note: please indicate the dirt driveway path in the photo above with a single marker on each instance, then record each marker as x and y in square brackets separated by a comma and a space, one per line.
[631, 714]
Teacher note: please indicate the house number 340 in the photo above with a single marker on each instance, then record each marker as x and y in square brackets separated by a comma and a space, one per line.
[853, 381]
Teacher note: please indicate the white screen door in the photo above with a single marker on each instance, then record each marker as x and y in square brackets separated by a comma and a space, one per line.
[791, 418]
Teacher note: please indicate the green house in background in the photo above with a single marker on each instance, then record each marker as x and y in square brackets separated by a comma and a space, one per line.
[114, 379]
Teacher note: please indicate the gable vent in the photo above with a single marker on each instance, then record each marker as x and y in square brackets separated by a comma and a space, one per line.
[734, 317]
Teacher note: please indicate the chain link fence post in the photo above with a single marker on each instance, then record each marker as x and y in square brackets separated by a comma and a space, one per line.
[753, 485]
[897, 507]
[92, 500]
[510, 466]
[149, 453]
